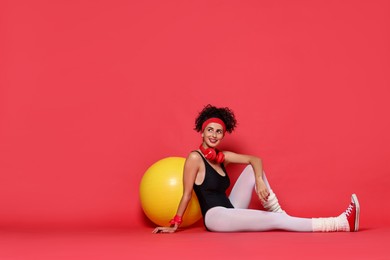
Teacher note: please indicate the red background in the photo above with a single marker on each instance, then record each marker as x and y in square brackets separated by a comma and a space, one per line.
[93, 92]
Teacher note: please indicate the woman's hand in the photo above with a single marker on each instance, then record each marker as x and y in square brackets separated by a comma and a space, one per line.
[165, 229]
[262, 191]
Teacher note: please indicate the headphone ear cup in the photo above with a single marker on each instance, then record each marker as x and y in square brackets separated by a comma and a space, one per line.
[210, 154]
[220, 157]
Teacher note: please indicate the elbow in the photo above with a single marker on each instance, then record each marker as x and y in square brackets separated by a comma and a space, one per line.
[259, 159]
[187, 196]
[256, 160]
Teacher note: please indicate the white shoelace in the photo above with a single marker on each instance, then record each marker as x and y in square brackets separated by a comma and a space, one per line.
[349, 209]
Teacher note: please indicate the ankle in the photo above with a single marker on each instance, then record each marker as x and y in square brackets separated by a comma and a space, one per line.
[331, 224]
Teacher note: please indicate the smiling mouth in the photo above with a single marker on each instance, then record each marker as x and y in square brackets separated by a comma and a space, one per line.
[213, 141]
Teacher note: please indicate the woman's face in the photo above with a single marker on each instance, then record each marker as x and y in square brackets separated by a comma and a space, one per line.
[212, 134]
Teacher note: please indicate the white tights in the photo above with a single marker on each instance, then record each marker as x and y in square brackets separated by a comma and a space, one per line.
[240, 218]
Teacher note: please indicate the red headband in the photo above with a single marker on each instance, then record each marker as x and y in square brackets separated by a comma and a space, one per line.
[214, 120]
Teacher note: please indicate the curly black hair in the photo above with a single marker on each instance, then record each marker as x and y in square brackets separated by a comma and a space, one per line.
[223, 113]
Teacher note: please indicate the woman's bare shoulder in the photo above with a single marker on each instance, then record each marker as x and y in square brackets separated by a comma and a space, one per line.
[194, 156]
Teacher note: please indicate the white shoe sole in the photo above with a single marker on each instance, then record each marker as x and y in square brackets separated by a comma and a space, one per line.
[357, 205]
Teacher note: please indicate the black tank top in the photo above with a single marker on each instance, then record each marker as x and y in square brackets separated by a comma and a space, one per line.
[212, 192]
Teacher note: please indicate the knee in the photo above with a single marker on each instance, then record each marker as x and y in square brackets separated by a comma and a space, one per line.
[248, 170]
[249, 167]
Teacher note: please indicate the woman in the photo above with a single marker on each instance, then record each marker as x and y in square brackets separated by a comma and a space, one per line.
[204, 172]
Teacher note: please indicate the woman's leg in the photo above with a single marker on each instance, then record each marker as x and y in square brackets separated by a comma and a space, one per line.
[220, 219]
[241, 193]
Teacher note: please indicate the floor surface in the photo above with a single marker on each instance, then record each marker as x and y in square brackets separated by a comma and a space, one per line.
[191, 243]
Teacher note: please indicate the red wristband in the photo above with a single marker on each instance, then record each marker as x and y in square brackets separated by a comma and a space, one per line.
[176, 220]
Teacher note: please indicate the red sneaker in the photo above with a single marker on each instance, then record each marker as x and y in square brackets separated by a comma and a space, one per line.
[352, 213]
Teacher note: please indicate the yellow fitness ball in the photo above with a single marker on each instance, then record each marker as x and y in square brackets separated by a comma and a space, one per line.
[161, 189]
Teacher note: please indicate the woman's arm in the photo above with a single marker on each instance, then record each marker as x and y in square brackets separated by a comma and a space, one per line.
[257, 165]
[191, 167]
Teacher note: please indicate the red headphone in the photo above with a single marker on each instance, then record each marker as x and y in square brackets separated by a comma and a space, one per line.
[212, 154]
